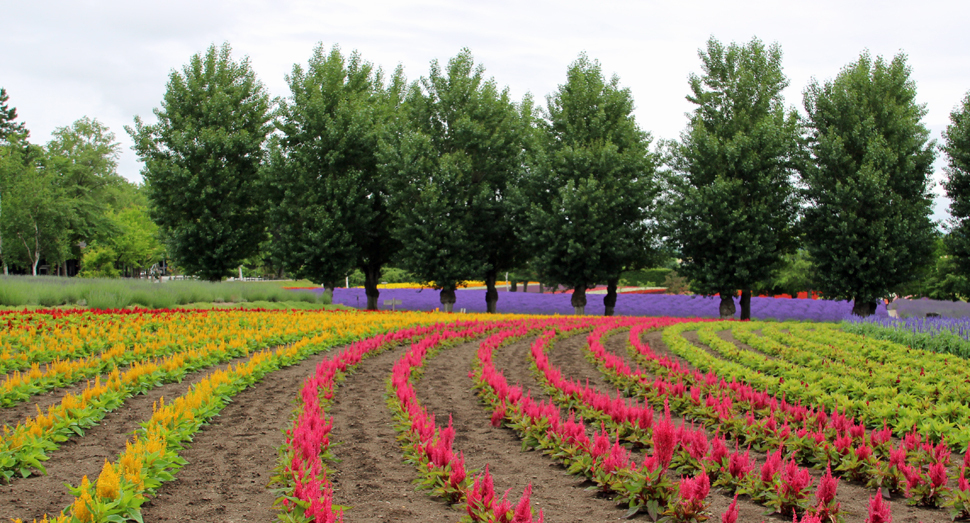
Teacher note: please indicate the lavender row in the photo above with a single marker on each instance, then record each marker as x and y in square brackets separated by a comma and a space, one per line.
[680, 306]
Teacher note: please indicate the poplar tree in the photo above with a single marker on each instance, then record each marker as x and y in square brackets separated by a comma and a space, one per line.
[331, 214]
[592, 189]
[867, 221]
[732, 202]
[956, 145]
[455, 155]
[202, 162]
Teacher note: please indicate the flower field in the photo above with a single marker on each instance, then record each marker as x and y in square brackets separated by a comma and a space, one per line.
[249, 415]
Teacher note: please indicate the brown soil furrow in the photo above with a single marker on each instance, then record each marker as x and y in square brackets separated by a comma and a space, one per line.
[445, 389]
[32, 497]
[231, 460]
[371, 476]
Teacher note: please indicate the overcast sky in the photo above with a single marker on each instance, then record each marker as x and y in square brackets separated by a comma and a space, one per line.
[110, 60]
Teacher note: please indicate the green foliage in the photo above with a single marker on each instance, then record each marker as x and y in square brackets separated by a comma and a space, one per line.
[592, 190]
[675, 283]
[939, 279]
[867, 222]
[35, 212]
[943, 341]
[330, 211]
[137, 243]
[458, 151]
[731, 203]
[644, 277]
[99, 262]
[83, 159]
[793, 274]
[202, 163]
[956, 145]
[7, 116]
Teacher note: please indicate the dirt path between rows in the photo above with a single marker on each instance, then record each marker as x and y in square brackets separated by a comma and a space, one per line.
[445, 389]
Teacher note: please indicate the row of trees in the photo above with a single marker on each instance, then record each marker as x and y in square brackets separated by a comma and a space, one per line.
[66, 197]
[451, 179]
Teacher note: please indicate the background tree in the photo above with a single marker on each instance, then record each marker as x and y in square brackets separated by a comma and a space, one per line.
[956, 145]
[35, 212]
[732, 204]
[867, 223]
[7, 116]
[84, 160]
[136, 245]
[458, 152]
[202, 162]
[331, 215]
[592, 190]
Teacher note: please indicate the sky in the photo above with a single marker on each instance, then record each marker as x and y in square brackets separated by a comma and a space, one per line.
[110, 60]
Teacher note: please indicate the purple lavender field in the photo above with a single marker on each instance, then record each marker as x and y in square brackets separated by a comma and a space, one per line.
[680, 306]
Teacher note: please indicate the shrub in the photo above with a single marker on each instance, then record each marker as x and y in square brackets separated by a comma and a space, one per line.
[99, 262]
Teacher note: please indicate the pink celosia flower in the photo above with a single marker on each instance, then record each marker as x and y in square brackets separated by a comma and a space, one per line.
[826, 488]
[938, 475]
[731, 514]
[523, 511]
[879, 511]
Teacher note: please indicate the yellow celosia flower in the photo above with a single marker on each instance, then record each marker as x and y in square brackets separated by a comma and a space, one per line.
[108, 487]
[80, 508]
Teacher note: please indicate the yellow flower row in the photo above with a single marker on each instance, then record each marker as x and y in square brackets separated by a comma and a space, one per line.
[121, 486]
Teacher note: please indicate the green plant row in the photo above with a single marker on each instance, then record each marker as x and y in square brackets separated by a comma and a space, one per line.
[941, 342]
[892, 375]
[810, 387]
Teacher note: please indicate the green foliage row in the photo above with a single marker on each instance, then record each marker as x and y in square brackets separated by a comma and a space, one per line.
[872, 400]
[18, 291]
[942, 341]
[644, 277]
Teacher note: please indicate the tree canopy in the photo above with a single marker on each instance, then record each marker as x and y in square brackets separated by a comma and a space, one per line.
[867, 221]
[956, 146]
[330, 211]
[202, 162]
[456, 153]
[591, 192]
[732, 202]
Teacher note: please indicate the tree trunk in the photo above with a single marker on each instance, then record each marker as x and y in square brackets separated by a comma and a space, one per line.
[328, 289]
[372, 275]
[491, 295]
[610, 300]
[579, 300]
[863, 308]
[727, 308]
[745, 305]
[525, 286]
[541, 290]
[448, 299]
[36, 261]
[514, 287]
